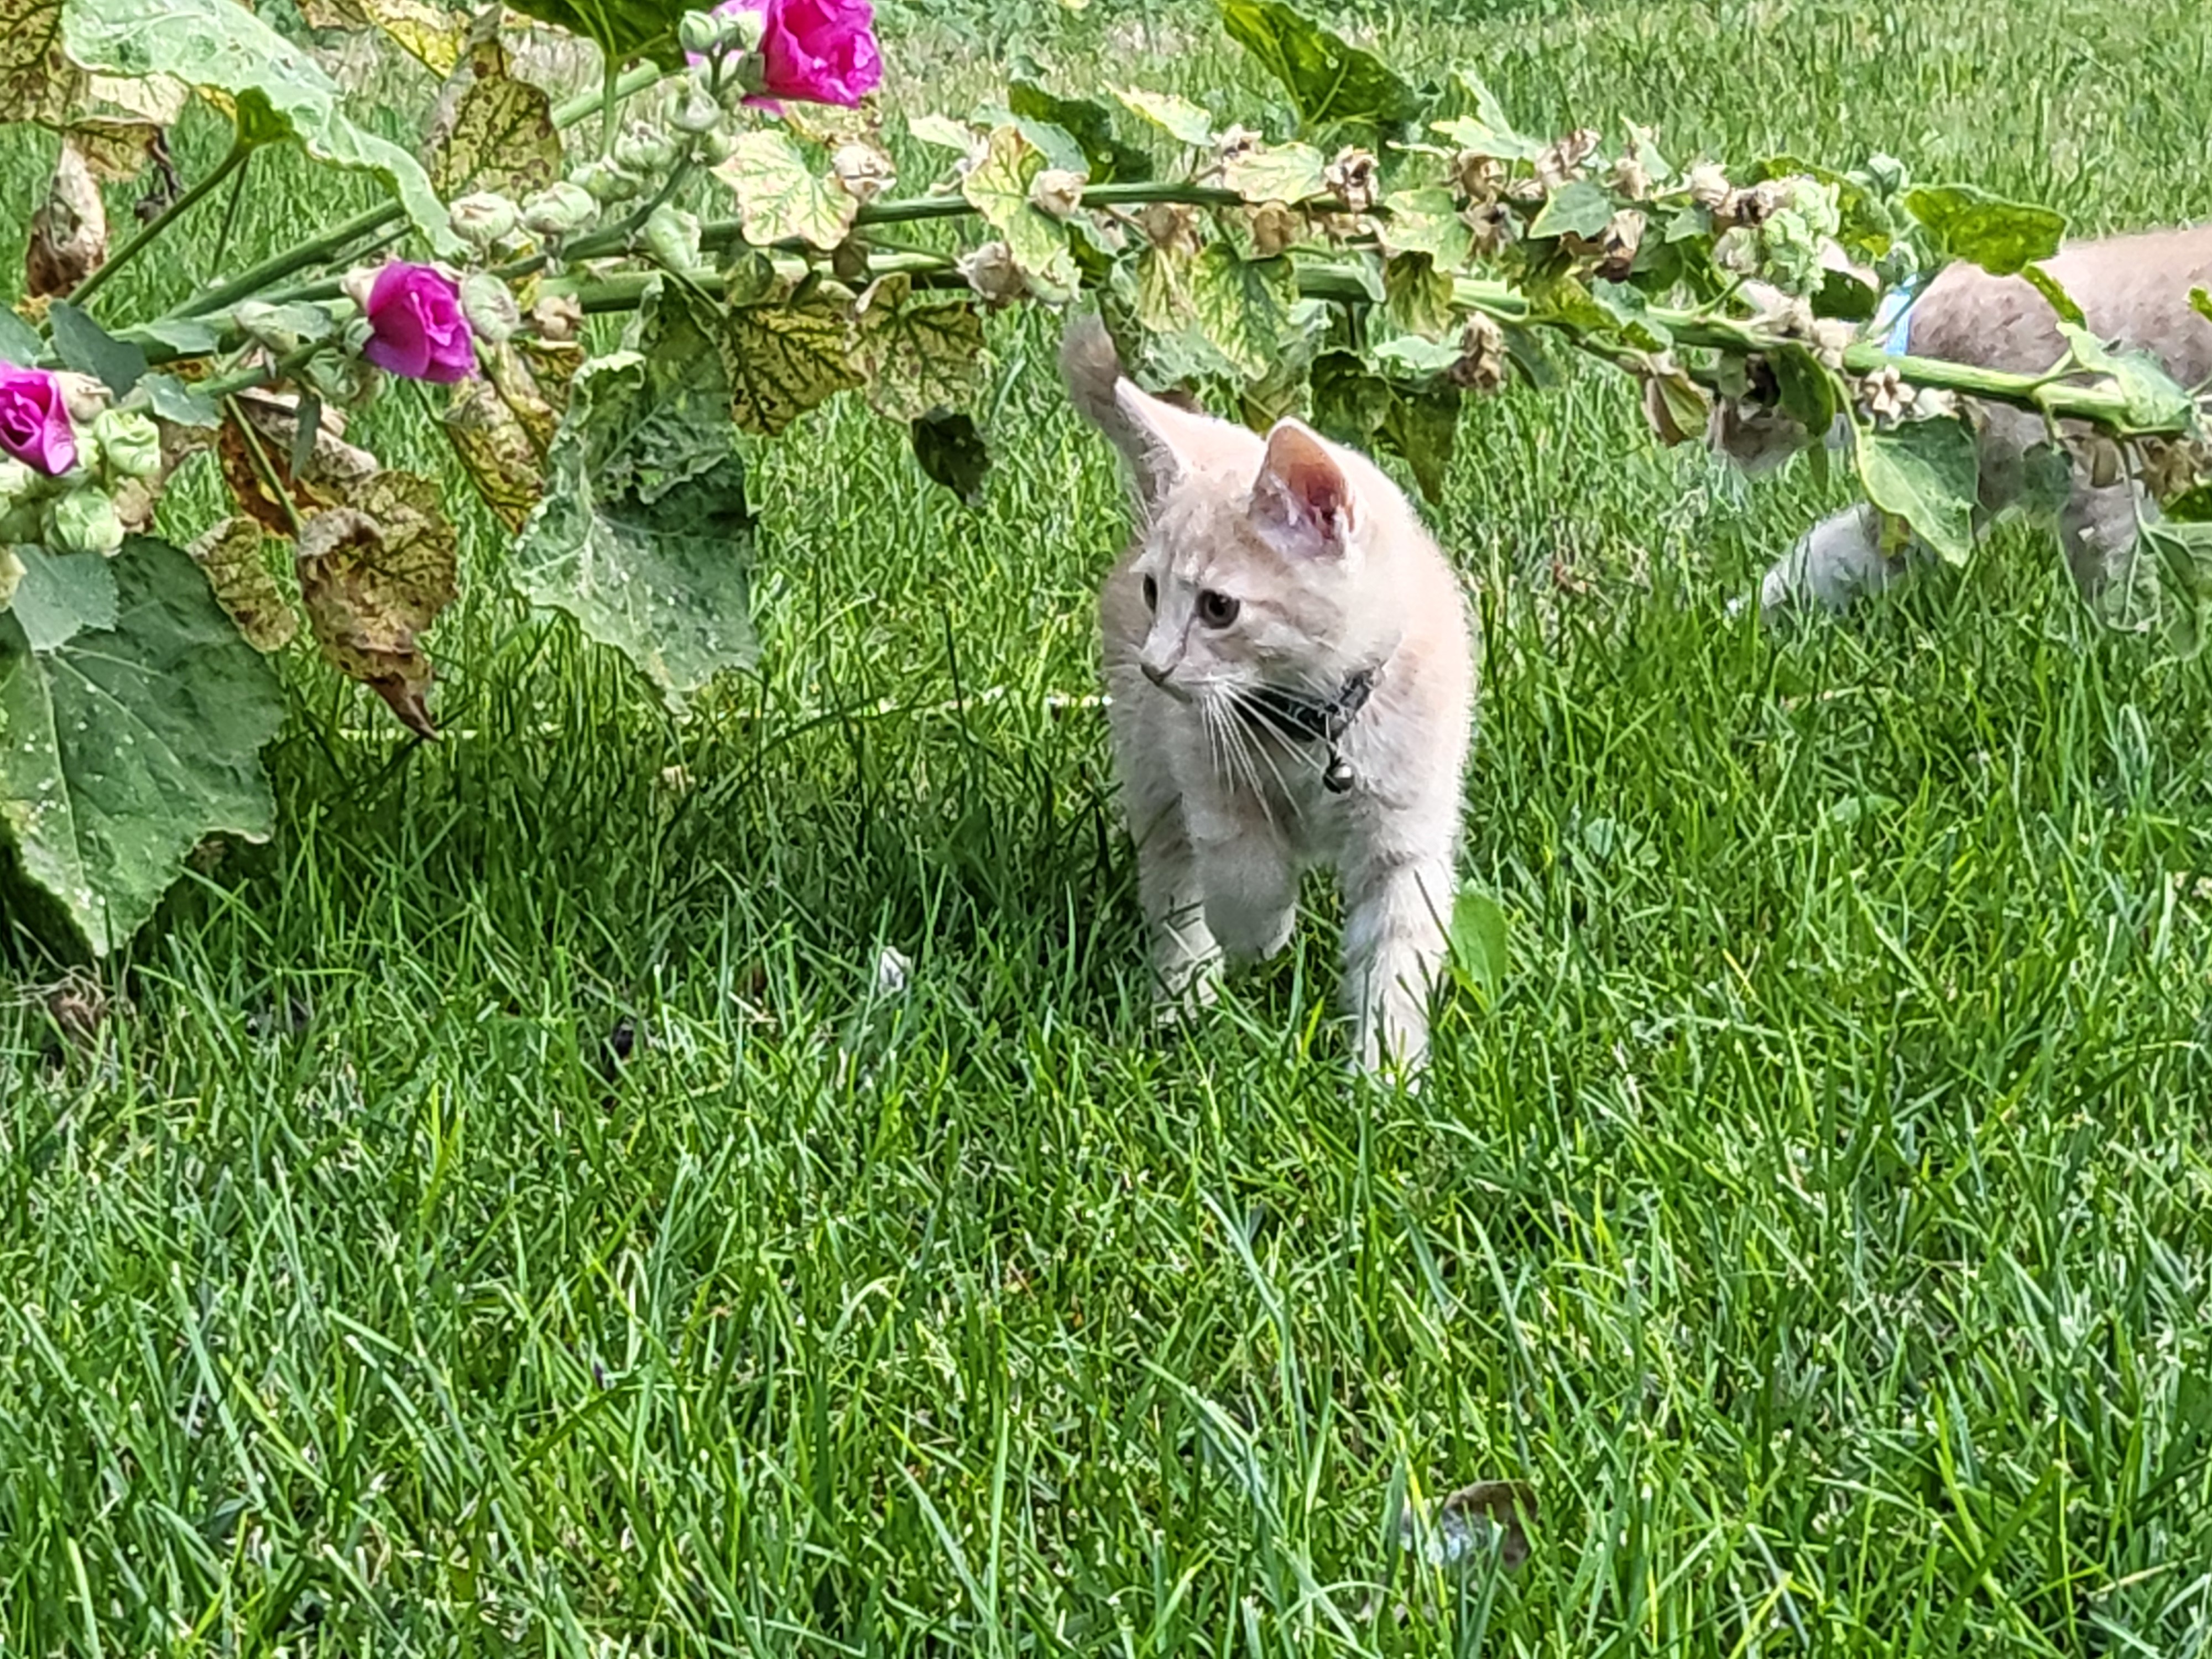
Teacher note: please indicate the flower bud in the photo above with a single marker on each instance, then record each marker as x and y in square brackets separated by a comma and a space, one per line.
[699, 32]
[482, 220]
[864, 171]
[489, 305]
[671, 236]
[130, 443]
[642, 150]
[604, 182]
[1057, 191]
[992, 273]
[82, 522]
[699, 114]
[561, 210]
[556, 318]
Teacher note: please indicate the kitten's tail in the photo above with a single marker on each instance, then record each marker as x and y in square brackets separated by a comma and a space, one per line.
[1093, 369]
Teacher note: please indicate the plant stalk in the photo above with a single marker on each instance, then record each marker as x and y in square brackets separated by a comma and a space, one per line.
[233, 159]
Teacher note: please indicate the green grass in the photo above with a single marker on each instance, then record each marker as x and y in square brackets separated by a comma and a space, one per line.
[1822, 1219]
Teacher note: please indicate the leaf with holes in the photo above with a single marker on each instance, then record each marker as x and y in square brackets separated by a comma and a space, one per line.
[916, 356]
[952, 452]
[998, 187]
[1331, 83]
[784, 359]
[234, 556]
[1926, 473]
[123, 747]
[2001, 237]
[374, 573]
[1241, 306]
[500, 137]
[644, 532]
[780, 197]
[278, 88]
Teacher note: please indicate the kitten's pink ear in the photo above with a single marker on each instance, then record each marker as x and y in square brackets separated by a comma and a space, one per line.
[1301, 501]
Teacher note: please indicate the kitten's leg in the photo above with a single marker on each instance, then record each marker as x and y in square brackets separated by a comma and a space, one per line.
[1251, 892]
[2097, 528]
[1396, 915]
[1837, 562]
[1186, 961]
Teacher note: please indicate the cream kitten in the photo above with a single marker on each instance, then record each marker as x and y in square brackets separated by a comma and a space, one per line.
[2133, 291]
[1291, 670]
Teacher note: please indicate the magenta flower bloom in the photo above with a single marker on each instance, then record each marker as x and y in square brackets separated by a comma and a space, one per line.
[819, 51]
[417, 327]
[35, 423]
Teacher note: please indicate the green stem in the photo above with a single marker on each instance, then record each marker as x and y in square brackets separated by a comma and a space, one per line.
[262, 468]
[233, 160]
[279, 266]
[614, 90]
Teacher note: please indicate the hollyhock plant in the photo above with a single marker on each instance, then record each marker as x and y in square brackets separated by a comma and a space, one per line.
[817, 52]
[35, 423]
[416, 328]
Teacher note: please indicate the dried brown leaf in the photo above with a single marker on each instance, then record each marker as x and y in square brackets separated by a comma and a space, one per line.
[69, 232]
[374, 573]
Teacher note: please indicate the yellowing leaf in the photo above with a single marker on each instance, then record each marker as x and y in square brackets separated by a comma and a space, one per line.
[1241, 306]
[784, 359]
[1180, 118]
[375, 574]
[500, 136]
[998, 187]
[503, 457]
[1276, 172]
[233, 557]
[779, 196]
[916, 355]
[36, 77]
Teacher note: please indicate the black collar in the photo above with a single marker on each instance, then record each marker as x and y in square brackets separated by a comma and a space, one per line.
[1304, 718]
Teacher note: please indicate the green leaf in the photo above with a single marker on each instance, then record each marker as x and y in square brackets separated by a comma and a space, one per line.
[1241, 306]
[1276, 172]
[942, 131]
[1487, 131]
[1577, 208]
[621, 29]
[2046, 480]
[2055, 294]
[644, 532]
[1845, 298]
[952, 452]
[1418, 296]
[1479, 942]
[2184, 570]
[1349, 401]
[179, 403]
[501, 138]
[1331, 83]
[120, 749]
[779, 195]
[784, 359]
[1180, 118]
[1422, 428]
[2192, 506]
[1413, 358]
[182, 337]
[916, 356]
[19, 342]
[1809, 392]
[62, 594]
[2003, 238]
[1089, 122]
[998, 187]
[86, 346]
[1425, 222]
[2200, 302]
[220, 45]
[2153, 401]
[1926, 473]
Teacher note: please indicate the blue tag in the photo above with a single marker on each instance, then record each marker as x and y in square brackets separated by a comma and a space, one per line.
[1892, 326]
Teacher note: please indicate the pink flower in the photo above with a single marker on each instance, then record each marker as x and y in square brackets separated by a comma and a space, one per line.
[416, 328]
[35, 423]
[819, 51]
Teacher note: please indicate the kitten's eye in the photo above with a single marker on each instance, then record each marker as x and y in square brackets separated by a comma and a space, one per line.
[1152, 594]
[1216, 608]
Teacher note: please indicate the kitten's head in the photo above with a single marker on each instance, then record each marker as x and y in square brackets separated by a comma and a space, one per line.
[1263, 561]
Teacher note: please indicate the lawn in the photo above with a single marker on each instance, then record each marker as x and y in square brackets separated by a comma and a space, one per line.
[514, 1210]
